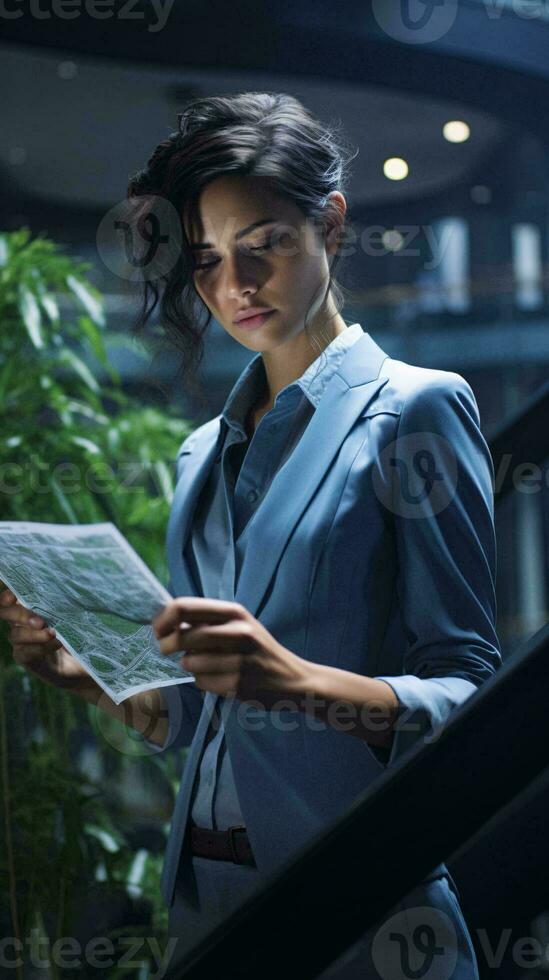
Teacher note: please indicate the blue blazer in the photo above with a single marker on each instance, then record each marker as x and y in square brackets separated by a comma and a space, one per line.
[372, 551]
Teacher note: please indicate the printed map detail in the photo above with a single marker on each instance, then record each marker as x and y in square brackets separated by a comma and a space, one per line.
[87, 582]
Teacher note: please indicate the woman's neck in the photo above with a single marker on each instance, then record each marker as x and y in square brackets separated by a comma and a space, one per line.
[288, 362]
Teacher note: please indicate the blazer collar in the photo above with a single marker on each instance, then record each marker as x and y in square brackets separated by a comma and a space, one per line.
[251, 382]
[345, 397]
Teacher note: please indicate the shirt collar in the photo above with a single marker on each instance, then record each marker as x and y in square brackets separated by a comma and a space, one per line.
[251, 382]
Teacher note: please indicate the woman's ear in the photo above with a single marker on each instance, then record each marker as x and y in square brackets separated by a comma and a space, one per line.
[334, 221]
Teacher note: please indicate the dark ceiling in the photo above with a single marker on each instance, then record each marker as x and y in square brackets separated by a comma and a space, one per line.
[74, 127]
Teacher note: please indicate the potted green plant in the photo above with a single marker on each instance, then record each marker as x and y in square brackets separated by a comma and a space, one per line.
[65, 458]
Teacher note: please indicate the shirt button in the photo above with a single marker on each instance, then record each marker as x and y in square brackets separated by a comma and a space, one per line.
[252, 495]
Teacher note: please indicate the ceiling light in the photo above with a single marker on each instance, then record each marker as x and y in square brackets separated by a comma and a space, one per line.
[395, 168]
[392, 239]
[456, 131]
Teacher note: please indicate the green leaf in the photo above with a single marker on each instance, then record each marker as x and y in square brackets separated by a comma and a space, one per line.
[106, 839]
[86, 444]
[63, 501]
[81, 408]
[72, 360]
[88, 301]
[50, 305]
[94, 338]
[30, 313]
[165, 479]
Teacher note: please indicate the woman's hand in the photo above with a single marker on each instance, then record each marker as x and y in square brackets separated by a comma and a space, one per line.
[229, 651]
[35, 646]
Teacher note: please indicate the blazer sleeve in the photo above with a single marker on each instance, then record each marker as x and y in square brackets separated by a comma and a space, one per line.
[440, 474]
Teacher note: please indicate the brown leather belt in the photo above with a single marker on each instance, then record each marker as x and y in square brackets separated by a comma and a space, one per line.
[222, 845]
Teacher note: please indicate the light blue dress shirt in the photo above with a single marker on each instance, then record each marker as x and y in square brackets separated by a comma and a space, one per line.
[240, 477]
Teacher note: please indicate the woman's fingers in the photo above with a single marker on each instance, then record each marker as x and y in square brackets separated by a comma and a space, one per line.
[30, 644]
[173, 643]
[211, 663]
[34, 654]
[22, 652]
[8, 602]
[13, 612]
[25, 634]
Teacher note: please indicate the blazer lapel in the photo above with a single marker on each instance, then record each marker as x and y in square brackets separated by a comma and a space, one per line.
[198, 461]
[345, 397]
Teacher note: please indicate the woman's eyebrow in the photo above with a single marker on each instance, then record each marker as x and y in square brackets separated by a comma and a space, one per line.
[239, 234]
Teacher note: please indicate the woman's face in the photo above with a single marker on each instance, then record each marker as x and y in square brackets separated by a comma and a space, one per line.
[280, 264]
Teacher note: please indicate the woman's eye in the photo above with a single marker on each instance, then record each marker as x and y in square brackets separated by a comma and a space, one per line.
[255, 248]
[260, 248]
[206, 265]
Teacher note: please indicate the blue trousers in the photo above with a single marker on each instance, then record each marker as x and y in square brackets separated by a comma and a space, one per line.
[424, 936]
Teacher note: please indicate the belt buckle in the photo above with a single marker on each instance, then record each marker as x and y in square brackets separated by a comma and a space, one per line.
[232, 848]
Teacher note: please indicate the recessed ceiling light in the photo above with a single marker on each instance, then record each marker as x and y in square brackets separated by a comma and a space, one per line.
[395, 168]
[392, 239]
[456, 131]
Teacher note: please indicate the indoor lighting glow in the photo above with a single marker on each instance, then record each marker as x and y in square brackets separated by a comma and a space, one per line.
[456, 131]
[395, 168]
[392, 239]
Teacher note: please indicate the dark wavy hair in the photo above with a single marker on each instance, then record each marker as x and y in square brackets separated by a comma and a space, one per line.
[259, 134]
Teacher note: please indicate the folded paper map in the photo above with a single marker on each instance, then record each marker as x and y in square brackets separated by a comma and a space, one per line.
[87, 582]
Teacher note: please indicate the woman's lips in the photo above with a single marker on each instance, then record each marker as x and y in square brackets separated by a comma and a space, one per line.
[254, 321]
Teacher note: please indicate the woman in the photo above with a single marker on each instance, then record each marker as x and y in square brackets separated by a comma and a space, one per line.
[331, 539]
